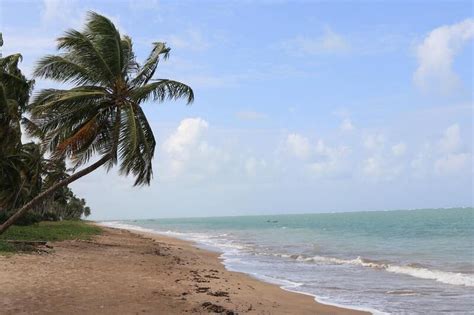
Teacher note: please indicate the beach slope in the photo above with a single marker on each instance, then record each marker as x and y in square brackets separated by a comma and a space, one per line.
[120, 272]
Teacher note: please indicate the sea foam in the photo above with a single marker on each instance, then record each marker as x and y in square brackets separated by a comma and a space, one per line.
[452, 278]
[447, 277]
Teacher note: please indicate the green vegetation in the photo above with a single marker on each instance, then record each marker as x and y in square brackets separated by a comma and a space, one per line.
[99, 116]
[25, 171]
[48, 231]
[6, 248]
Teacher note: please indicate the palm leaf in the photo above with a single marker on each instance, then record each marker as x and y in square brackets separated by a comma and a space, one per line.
[61, 69]
[162, 90]
[81, 50]
[106, 39]
[147, 71]
[102, 115]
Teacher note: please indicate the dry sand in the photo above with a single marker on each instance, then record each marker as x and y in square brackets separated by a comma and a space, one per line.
[120, 272]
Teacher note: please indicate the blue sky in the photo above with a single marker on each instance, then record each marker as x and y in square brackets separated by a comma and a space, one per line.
[301, 106]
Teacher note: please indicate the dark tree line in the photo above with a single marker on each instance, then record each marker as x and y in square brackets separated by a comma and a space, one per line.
[25, 169]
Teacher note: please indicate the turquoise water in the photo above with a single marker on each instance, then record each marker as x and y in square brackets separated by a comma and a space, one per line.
[400, 262]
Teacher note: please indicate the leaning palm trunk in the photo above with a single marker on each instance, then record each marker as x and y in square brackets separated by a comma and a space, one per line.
[102, 114]
[50, 191]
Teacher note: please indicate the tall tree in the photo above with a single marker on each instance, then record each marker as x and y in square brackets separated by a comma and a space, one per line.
[101, 115]
[15, 91]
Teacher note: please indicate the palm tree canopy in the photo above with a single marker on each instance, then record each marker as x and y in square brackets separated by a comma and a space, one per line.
[15, 91]
[17, 181]
[101, 114]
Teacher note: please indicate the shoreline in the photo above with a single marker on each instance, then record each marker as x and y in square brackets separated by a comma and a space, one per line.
[221, 257]
[126, 272]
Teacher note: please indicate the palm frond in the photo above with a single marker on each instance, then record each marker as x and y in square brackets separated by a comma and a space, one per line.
[137, 146]
[16, 87]
[59, 102]
[61, 69]
[130, 64]
[84, 134]
[81, 50]
[147, 71]
[162, 90]
[101, 115]
[106, 40]
[11, 61]
[3, 102]
[32, 129]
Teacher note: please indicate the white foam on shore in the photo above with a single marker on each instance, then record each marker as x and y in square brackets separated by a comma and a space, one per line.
[119, 225]
[446, 277]
[230, 249]
[201, 239]
[322, 300]
[291, 286]
[440, 276]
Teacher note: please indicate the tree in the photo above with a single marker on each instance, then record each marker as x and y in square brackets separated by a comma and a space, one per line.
[24, 169]
[15, 91]
[101, 115]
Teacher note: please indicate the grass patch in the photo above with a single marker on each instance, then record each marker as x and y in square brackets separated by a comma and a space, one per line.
[48, 231]
[6, 248]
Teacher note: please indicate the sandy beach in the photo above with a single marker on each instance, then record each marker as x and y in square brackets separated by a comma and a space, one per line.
[120, 272]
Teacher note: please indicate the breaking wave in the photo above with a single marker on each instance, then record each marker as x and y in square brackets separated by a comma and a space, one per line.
[447, 277]
[413, 270]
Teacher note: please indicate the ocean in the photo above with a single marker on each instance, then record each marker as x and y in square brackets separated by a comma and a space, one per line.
[388, 262]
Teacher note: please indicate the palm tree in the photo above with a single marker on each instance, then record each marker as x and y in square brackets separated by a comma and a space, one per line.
[22, 172]
[14, 95]
[15, 92]
[101, 115]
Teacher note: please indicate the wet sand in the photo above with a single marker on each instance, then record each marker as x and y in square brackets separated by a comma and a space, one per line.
[120, 272]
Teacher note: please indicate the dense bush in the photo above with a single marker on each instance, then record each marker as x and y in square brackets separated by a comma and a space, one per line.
[28, 219]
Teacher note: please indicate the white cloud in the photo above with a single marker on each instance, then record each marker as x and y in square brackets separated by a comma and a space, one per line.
[346, 125]
[451, 140]
[436, 55]
[374, 141]
[188, 155]
[298, 146]
[373, 167]
[250, 115]
[330, 161]
[252, 165]
[188, 133]
[379, 168]
[322, 149]
[419, 164]
[451, 163]
[329, 42]
[183, 142]
[399, 149]
[316, 160]
[444, 157]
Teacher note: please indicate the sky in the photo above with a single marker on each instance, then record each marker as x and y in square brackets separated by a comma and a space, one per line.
[301, 106]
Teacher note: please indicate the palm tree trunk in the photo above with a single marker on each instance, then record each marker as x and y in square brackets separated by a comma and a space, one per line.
[48, 192]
